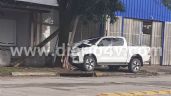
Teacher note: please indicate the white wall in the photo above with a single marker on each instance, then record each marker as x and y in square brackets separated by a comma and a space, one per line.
[50, 25]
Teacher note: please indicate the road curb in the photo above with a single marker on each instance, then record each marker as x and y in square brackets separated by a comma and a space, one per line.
[77, 74]
[103, 74]
[34, 74]
[81, 74]
[63, 74]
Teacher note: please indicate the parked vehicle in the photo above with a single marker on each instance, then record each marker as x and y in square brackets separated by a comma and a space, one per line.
[110, 51]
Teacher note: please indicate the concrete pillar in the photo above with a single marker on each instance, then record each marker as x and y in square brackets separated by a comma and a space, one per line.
[5, 58]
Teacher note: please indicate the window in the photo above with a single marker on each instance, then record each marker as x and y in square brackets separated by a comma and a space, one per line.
[105, 42]
[93, 41]
[8, 29]
[117, 42]
[147, 27]
[147, 33]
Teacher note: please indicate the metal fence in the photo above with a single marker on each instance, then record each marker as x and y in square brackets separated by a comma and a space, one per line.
[167, 45]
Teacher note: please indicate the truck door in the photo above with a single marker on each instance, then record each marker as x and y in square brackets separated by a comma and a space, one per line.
[104, 51]
[119, 50]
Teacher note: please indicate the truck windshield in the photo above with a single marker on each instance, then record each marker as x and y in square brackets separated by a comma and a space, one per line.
[93, 41]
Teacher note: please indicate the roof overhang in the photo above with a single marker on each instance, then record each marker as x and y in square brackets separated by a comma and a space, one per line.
[42, 2]
[30, 5]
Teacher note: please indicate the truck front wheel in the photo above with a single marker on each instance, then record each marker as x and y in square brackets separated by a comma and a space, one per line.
[134, 65]
[89, 63]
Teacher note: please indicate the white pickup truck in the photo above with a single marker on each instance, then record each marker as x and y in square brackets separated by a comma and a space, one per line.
[110, 51]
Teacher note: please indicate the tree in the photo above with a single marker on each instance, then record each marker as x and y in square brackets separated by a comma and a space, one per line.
[167, 3]
[72, 11]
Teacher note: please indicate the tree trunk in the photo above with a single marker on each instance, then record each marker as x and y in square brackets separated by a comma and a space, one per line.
[65, 28]
[74, 29]
[66, 63]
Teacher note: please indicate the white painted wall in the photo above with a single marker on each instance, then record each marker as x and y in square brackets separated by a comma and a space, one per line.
[44, 2]
[50, 25]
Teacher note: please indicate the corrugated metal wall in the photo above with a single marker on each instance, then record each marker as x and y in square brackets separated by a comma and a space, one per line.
[85, 31]
[167, 45]
[114, 29]
[132, 31]
[152, 10]
[156, 43]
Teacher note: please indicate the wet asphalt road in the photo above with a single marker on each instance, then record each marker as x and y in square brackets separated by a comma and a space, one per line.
[60, 86]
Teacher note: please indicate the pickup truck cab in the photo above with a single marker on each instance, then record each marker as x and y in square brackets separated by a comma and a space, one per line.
[110, 51]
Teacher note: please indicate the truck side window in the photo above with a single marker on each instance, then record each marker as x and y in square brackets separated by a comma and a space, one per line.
[105, 42]
[117, 42]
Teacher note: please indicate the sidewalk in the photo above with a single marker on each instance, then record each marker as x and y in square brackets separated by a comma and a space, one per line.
[146, 71]
[160, 70]
[10, 71]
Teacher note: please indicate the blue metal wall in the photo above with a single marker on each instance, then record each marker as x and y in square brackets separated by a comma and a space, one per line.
[145, 9]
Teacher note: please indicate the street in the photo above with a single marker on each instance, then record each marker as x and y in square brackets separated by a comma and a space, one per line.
[60, 86]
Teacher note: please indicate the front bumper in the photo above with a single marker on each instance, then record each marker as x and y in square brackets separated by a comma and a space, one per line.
[75, 59]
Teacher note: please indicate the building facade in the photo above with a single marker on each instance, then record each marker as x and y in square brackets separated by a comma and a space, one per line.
[25, 23]
[145, 23]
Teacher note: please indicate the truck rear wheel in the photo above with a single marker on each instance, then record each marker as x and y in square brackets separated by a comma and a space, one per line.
[135, 65]
[89, 63]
